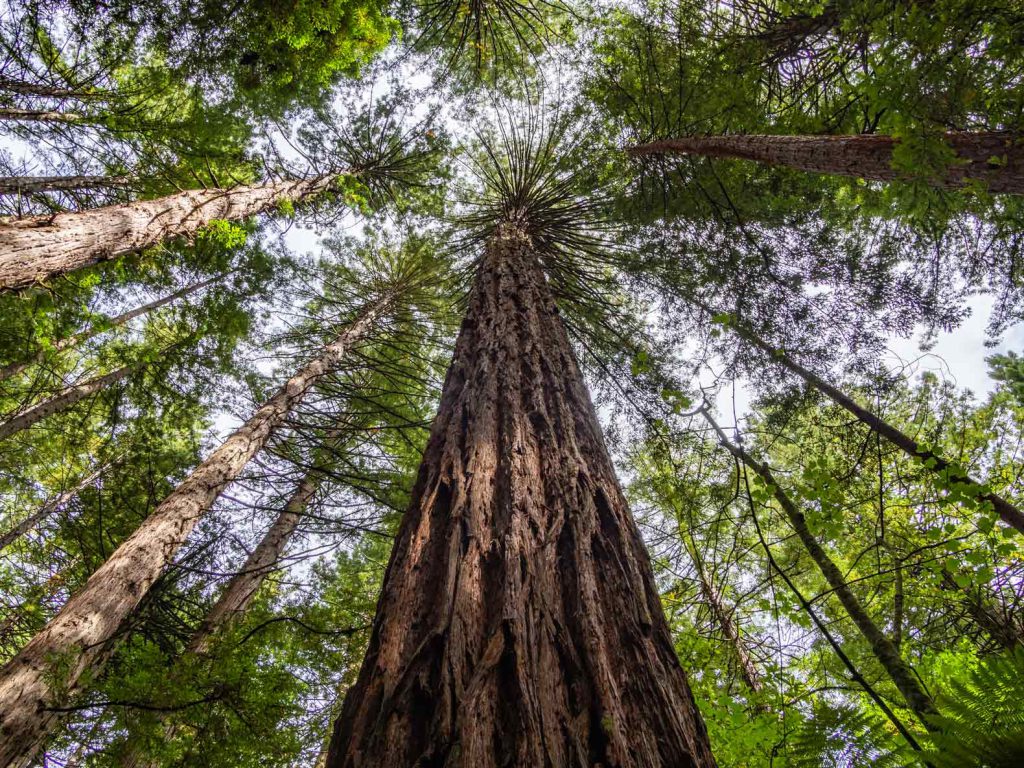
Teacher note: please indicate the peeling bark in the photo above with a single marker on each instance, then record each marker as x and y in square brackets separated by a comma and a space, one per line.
[47, 671]
[864, 156]
[888, 655]
[62, 401]
[519, 623]
[39, 248]
[13, 369]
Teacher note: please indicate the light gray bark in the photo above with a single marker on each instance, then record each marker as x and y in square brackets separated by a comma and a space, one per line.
[48, 669]
[48, 508]
[13, 369]
[61, 401]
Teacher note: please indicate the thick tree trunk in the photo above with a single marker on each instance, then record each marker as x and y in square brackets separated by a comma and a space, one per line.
[883, 648]
[994, 158]
[14, 114]
[41, 247]
[13, 369]
[519, 624]
[1007, 512]
[49, 507]
[30, 185]
[79, 638]
[62, 401]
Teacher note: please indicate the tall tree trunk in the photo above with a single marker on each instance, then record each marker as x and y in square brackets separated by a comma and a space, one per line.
[240, 591]
[14, 114]
[30, 185]
[63, 400]
[519, 623]
[1007, 512]
[80, 637]
[786, 36]
[49, 507]
[883, 648]
[748, 670]
[41, 247]
[13, 369]
[995, 158]
[43, 90]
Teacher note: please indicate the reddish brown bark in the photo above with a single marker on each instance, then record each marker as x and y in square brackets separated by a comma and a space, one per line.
[519, 624]
[865, 156]
[47, 670]
[38, 248]
[13, 369]
[30, 185]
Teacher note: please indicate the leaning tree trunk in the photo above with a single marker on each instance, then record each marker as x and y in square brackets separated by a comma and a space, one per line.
[13, 369]
[240, 591]
[37, 248]
[58, 501]
[1007, 512]
[78, 640]
[62, 401]
[994, 158]
[919, 702]
[1001, 628]
[519, 624]
[16, 115]
[32, 185]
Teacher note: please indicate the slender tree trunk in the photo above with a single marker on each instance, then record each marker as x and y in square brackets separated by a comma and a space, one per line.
[13, 369]
[994, 158]
[14, 114]
[62, 401]
[748, 670]
[78, 640]
[240, 591]
[883, 648]
[30, 185]
[49, 507]
[1007, 512]
[43, 90]
[1002, 629]
[519, 624]
[37, 248]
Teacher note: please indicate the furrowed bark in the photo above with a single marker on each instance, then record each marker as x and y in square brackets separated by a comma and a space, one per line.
[994, 158]
[919, 702]
[38, 248]
[30, 185]
[519, 624]
[13, 369]
[49, 507]
[1007, 512]
[78, 639]
[62, 401]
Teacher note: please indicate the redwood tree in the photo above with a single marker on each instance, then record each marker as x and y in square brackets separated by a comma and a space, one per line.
[995, 159]
[519, 622]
